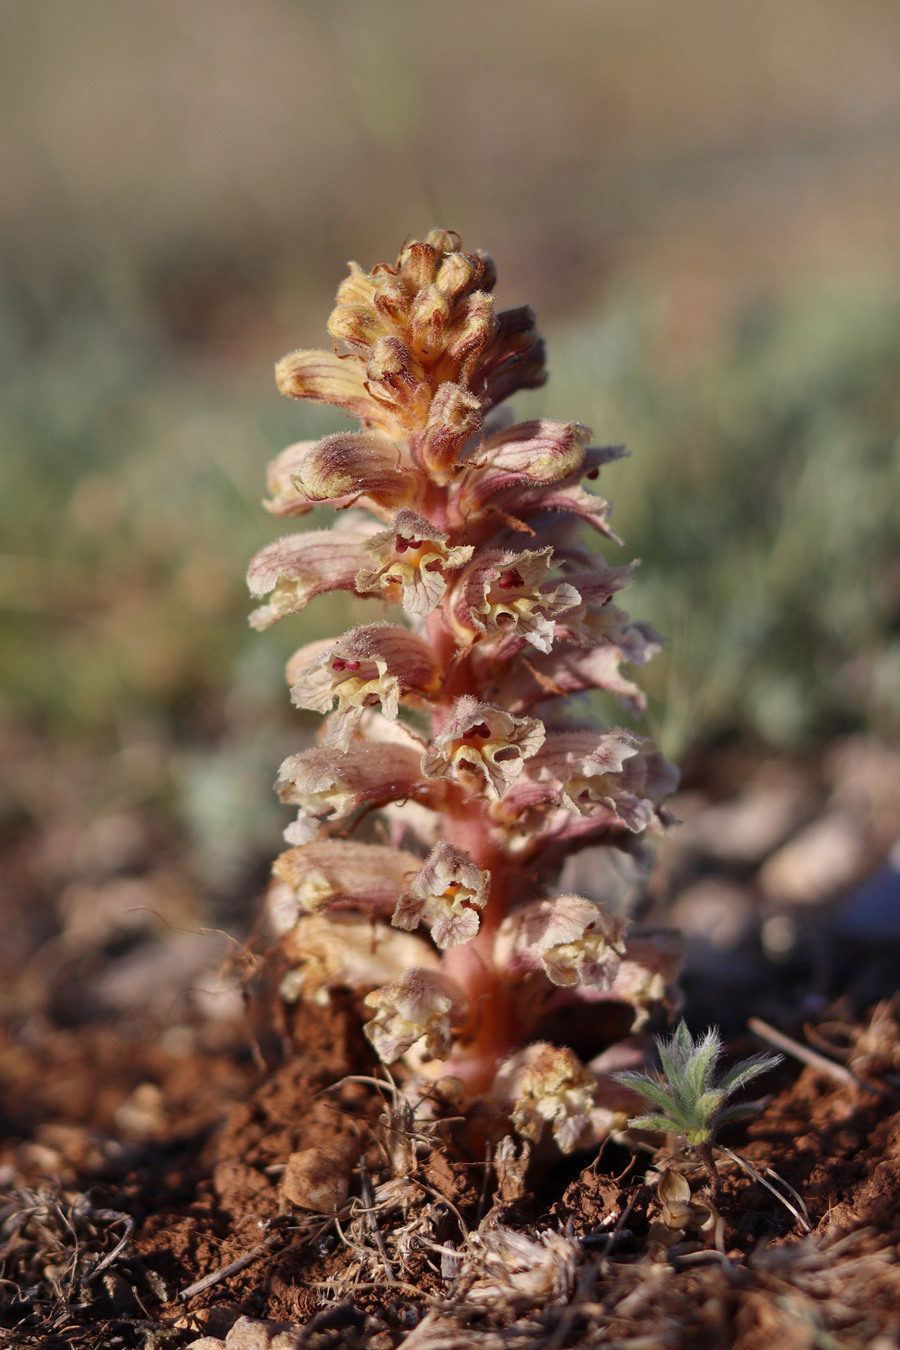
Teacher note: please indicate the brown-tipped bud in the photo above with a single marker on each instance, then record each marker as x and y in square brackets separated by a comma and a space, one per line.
[428, 319]
[453, 417]
[323, 377]
[487, 278]
[467, 336]
[420, 260]
[358, 325]
[341, 470]
[397, 380]
[514, 358]
[458, 273]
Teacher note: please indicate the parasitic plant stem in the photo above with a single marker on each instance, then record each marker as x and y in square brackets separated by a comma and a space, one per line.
[453, 775]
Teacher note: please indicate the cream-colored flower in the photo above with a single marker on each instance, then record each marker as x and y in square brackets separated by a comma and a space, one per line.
[345, 874]
[520, 683]
[420, 1004]
[329, 785]
[376, 664]
[343, 951]
[481, 746]
[342, 470]
[410, 563]
[573, 940]
[501, 594]
[446, 893]
[548, 1085]
[604, 774]
[301, 566]
[453, 418]
[516, 461]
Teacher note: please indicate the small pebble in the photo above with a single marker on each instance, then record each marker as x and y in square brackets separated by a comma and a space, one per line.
[316, 1179]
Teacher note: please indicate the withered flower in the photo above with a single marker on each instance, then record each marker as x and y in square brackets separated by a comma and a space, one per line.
[446, 761]
[421, 1004]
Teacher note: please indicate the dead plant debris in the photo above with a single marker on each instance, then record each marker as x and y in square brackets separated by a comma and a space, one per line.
[190, 1238]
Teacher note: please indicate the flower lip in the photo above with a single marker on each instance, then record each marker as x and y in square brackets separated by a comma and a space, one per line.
[411, 561]
[571, 939]
[482, 742]
[420, 1004]
[446, 893]
[501, 593]
[548, 1085]
[372, 664]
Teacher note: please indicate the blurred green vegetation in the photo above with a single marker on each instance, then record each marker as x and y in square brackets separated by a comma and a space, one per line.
[763, 498]
[702, 202]
[762, 494]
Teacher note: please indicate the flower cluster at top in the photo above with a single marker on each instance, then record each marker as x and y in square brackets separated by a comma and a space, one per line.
[451, 718]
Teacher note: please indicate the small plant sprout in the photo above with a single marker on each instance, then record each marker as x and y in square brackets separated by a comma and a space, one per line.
[453, 777]
[688, 1097]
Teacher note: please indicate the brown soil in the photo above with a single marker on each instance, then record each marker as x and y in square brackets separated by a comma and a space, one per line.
[149, 1139]
[191, 1144]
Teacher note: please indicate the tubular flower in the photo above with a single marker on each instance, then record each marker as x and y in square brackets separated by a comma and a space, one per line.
[445, 759]
[446, 893]
[421, 1004]
[548, 1085]
[573, 940]
[411, 561]
[482, 747]
[375, 664]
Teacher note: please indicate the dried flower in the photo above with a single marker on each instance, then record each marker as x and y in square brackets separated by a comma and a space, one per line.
[449, 718]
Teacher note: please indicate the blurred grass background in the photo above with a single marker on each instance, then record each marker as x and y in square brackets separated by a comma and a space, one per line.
[703, 203]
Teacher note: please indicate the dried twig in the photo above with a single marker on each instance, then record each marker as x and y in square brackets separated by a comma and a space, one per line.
[801, 1214]
[368, 1199]
[839, 1072]
[240, 1263]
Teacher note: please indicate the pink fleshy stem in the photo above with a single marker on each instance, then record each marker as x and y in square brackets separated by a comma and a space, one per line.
[494, 1031]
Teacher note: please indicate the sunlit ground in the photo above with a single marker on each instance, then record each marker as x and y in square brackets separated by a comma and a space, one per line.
[702, 202]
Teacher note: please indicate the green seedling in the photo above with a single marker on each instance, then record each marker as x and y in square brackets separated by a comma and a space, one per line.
[688, 1098]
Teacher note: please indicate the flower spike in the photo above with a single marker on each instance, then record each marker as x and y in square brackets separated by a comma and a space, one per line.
[448, 785]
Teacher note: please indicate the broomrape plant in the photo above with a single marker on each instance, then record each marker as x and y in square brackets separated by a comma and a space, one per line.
[690, 1099]
[452, 780]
